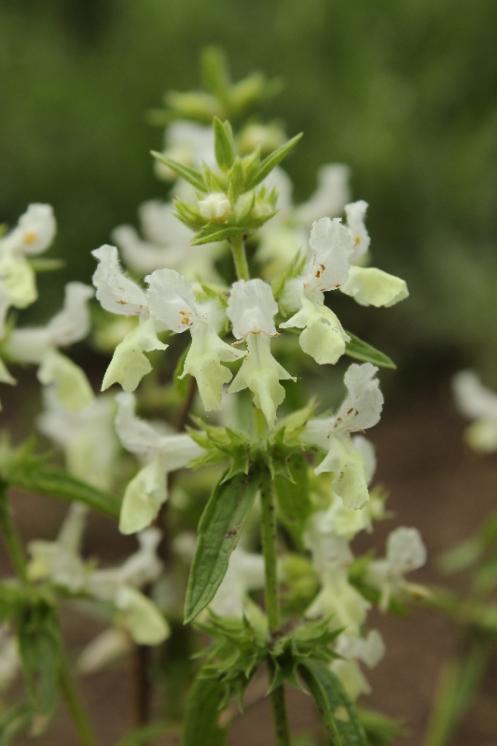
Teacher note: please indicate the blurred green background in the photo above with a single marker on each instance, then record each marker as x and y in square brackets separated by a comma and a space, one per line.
[403, 91]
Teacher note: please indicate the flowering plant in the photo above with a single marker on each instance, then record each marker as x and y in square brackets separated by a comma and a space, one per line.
[212, 318]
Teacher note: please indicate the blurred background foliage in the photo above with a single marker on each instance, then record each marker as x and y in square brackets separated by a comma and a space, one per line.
[404, 91]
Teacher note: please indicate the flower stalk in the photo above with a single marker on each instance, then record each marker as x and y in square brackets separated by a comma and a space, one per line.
[239, 254]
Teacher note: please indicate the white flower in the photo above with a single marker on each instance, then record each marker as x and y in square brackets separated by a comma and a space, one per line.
[281, 239]
[323, 337]
[86, 437]
[331, 248]
[373, 287]
[360, 410]
[144, 566]
[172, 301]
[129, 363]
[356, 213]
[405, 553]
[39, 345]
[162, 454]
[339, 600]
[69, 381]
[70, 325]
[215, 208]
[251, 310]
[34, 231]
[352, 649]
[333, 251]
[60, 562]
[115, 291]
[478, 403]
[245, 573]
[119, 294]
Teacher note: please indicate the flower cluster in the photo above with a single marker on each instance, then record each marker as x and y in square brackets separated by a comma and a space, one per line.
[233, 331]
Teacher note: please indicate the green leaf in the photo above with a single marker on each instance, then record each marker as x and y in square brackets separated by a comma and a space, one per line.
[360, 350]
[56, 483]
[224, 144]
[273, 159]
[202, 713]
[187, 173]
[38, 640]
[218, 534]
[292, 492]
[338, 712]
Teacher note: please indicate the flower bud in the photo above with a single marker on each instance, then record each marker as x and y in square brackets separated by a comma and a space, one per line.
[215, 208]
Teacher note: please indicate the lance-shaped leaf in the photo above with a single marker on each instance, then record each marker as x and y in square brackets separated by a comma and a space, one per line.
[38, 640]
[56, 483]
[338, 712]
[187, 173]
[218, 534]
[272, 160]
[202, 713]
[360, 350]
[224, 144]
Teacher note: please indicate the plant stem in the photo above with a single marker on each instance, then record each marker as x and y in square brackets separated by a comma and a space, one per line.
[268, 536]
[280, 716]
[269, 547]
[74, 707]
[240, 258]
[12, 542]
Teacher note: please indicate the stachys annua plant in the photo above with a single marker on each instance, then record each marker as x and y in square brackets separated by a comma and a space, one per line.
[218, 323]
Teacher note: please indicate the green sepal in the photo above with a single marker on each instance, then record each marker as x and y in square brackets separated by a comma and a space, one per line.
[212, 234]
[272, 160]
[236, 180]
[360, 350]
[218, 534]
[224, 144]
[189, 174]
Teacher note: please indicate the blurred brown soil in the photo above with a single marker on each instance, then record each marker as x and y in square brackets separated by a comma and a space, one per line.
[437, 485]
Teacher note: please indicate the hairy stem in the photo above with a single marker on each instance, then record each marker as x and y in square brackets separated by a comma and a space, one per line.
[10, 536]
[269, 547]
[240, 258]
[75, 709]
